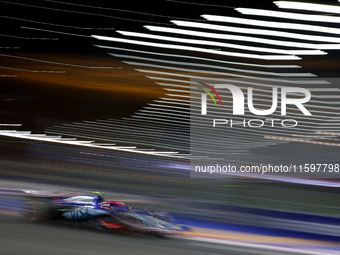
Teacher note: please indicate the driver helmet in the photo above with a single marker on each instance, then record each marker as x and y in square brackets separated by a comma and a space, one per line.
[99, 195]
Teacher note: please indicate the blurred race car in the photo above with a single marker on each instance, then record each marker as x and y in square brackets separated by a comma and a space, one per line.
[94, 212]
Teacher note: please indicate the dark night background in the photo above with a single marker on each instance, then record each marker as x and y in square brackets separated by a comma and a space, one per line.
[40, 99]
[52, 75]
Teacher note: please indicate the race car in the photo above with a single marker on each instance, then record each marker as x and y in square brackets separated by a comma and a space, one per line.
[94, 212]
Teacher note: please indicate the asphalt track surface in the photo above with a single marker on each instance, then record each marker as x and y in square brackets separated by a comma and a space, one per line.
[70, 167]
[17, 237]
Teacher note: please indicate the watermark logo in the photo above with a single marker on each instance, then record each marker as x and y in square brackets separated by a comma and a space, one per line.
[204, 98]
[239, 99]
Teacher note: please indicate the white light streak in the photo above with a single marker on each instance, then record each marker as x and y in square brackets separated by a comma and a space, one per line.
[213, 5]
[198, 58]
[85, 13]
[244, 38]
[58, 63]
[12, 125]
[58, 139]
[220, 44]
[289, 15]
[31, 71]
[57, 32]
[232, 79]
[167, 79]
[258, 31]
[190, 48]
[115, 9]
[58, 25]
[284, 25]
[308, 6]
[227, 74]
[28, 38]
[215, 67]
[14, 48]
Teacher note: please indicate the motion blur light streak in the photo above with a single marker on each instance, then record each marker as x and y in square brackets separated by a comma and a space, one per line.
[28, 38]
[286, 15]
[216, 67]
[245, 38]
[198, 58]
[189, 48]
[77, 12]
[31, 71]
[221, 73]
[57, 139]
[213, 5]
[114, 9]
[226, 45]
[223, 79]
[258, 31]
[284, 25]
[308, 6]
[56, 63]
[51, 31]
[124, 116]
[51, 24]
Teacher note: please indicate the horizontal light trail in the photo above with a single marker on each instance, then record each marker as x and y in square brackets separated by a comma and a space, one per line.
[218, 132]
[31, 71]
[171, 85]
[83, 13]
[308, 6]
[245, 39]
[310, 89]
[116, 9]
[13, 48]
[328, 133]
[289, 15]
[164, 122]
[301, 140]
[262, 23]
[228, 74]
[220, 80]
[167, 79]
[104, 127]
[220, 114]
[28, 38]
[193, 3]
[11, 125]
[57, 32]
[213, 66]
[125, 139]
[263, 130]
[25, 135]
[159, 112]
[172, 99]
[52, 24]
[57, 63]
[184, 128]
[236, 130]
[124, 124]
[190, 48]
[221, 44]
[125, 132]
[315, 38]
[198, 58]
